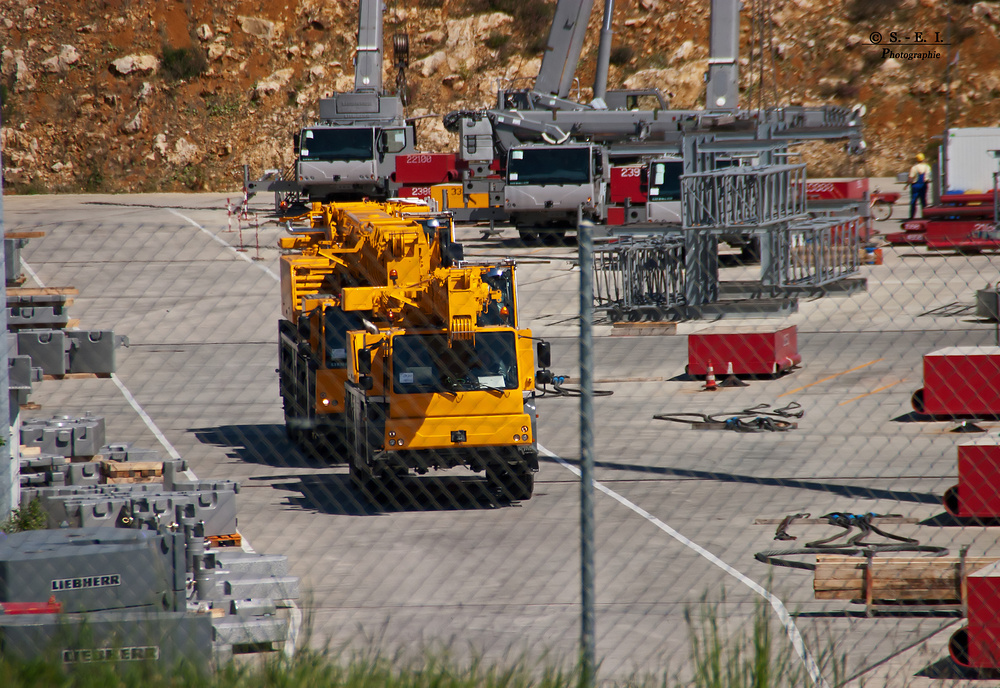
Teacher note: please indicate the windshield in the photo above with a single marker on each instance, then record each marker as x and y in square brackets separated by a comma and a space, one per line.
[422, 364]
[556, 165]
[337, 324]
[341, 143]
[665, 181]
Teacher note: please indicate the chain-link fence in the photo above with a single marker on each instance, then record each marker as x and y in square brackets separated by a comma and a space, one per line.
[409, 436]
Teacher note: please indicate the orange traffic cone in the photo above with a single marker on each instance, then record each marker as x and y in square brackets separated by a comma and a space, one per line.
[731, 379]
[710, 379]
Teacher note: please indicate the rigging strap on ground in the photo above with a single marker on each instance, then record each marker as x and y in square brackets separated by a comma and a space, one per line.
[856, 545]
[759, 418]
[560, 390]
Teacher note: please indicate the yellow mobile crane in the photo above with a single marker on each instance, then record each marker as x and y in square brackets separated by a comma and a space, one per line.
[397, 355]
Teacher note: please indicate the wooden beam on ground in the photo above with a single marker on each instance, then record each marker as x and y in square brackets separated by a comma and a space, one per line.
[894, 579]
[42, 291]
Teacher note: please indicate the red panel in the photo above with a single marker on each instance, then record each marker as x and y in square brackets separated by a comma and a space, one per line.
[50, 607]
[425, 168]
[616, 216]
[966, 211]
[979, 480]
[414, 192]
[836, 189]
[626, 182]
[984, 599]
[962, 381]
[751, 352]
[984, 646]
[905, 238]
[962, 199]
[976, 234]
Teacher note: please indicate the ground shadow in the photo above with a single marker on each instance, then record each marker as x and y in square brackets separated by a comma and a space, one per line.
[332, 493]
[264, 444]
[721, 377]
[830, 488]
[946, 520]
[947, 669]
[512, 242]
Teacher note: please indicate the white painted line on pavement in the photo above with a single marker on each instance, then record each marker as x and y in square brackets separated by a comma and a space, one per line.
[31, 273]
[145, 417]
[226, 244]
[779, 608]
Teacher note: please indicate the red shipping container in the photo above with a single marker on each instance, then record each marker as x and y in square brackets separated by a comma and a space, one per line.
[627, 182]
[836, 189]
[978, 491]
[425, 168]
[960, 381]
[751, 351]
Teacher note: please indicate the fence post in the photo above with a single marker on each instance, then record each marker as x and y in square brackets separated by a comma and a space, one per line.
[588, 637]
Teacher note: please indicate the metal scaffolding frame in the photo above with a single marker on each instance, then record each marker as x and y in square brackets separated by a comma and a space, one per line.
[812, 253]
[743, 197]
[640, 276]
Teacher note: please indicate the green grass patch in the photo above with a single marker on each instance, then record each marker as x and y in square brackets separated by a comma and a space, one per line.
[183, 63]
[31, 516]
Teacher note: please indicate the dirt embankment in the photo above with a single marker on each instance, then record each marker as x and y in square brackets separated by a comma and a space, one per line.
[168, 95]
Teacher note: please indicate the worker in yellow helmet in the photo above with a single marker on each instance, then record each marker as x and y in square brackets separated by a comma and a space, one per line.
[918, 180]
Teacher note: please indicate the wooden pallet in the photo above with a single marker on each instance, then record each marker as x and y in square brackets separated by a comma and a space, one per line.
[228, 540]
[895, 579]
[14, 292]
[77, 376]
[117, 472]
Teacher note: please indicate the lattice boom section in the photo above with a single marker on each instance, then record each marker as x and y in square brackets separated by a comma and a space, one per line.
[817, 252]
[639, 273]
[743, 196]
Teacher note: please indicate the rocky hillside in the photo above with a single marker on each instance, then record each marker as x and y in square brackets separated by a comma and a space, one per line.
[167, 95]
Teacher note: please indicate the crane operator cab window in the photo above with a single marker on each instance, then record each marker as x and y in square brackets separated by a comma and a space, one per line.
[337, 144]
[336, 325]
[665, 180]
[392, 140]
[425, 363]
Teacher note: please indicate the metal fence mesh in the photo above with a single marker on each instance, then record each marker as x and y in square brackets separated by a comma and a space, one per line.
[733, 495]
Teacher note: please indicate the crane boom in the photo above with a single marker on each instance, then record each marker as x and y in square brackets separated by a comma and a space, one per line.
[562, 54]
[368, 61]
[722, 91]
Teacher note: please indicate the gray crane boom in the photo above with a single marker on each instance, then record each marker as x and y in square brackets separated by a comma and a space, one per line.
[368, 61]
[562, 54]
[603, 54]
[722, 91]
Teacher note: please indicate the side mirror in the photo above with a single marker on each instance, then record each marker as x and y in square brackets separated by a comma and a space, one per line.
[295, 143]
[366, 382]
[364, 362]
[544, 354]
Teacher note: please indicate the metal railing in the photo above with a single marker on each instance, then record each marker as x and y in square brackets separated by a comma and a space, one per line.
[639, 276]
[749, 197]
